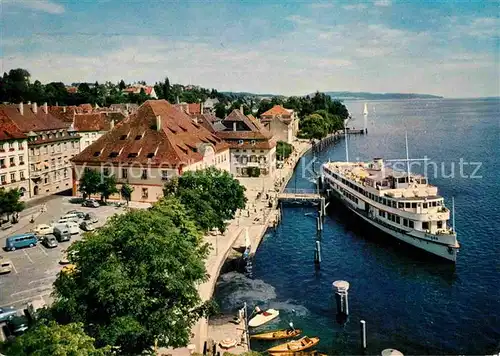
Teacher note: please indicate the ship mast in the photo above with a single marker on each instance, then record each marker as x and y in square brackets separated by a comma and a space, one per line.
[345, 139]
[407, 158]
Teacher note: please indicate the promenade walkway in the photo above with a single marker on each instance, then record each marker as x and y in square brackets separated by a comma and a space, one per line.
[256, 217]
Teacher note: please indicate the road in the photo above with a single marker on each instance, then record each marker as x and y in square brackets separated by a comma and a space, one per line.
[36, 268]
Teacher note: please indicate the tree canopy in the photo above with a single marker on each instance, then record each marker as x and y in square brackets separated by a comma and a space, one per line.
[56, 340]
[10, 201]
[135, 280]
[211, 196]
[89, 182]
[283, 150]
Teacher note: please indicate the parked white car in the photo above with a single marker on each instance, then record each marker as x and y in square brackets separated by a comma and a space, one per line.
[43, 229]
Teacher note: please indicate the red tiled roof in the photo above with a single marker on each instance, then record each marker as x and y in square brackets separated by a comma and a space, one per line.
[194, 108]
[64, 113]
[92, 122]
[8, 129]
[86, 107]
[178, 141]
[248, 130]
[72, 90]
[276, 111]
[30, 121]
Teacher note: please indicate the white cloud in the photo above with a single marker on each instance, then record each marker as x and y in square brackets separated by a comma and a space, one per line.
[383, 3]
[314, 56]
[354, 7]
[37, 5]
[322, 5]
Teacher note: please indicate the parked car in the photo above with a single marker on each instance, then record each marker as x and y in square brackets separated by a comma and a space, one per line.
[87, 226]
[91, 217]
[18, 324]
[6, 313]
[69, 218]
[62, 233]
[69, 268]
[20, 241]
[65, 258]
[43, 229]
[90, 203]
[80, 214]
[49, 241]
[73, 228]
[5, 265]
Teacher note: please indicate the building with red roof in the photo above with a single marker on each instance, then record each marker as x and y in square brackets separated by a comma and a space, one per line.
[13, 156]
[136, 89]
[50, 146]
[151, 146]
[282, 123]
[252, 145]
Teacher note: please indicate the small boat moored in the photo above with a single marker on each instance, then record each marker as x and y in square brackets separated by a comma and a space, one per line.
[295, 345]
[263, 317]
[277, 334]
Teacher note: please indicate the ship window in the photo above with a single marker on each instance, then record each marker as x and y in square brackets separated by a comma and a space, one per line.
[439, 224]
[398, 220]
[425, 205]
[401, 205]
[414, 205]
[434, 203]
[425, 225]
[405, 222]
[411, 224]
[393, 204]
[407, 205]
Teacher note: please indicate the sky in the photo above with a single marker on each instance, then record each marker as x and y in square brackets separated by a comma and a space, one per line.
[448, 48]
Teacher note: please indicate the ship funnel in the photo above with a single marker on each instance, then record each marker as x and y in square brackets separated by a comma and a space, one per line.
[378, 163]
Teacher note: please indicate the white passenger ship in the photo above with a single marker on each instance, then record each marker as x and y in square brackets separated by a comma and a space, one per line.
[401, 204]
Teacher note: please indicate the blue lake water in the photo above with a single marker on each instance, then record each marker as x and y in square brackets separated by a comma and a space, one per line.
[410, 301]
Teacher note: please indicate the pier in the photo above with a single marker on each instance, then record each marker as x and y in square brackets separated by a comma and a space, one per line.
[299, 196]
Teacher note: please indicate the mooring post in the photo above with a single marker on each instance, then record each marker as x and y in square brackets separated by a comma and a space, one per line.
[341, 297]
[205, 348]
[322, 207]
[317, 253]
[362, 324]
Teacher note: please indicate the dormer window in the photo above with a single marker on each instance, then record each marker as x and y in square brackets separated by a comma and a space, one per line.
[132, 155]
[253, 142]
[123, 137]
[240, 142]
[113, 154]
[97, 153]
[138, 137]
[150, 155]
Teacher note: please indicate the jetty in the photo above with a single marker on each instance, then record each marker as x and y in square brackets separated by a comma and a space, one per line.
[299, 196]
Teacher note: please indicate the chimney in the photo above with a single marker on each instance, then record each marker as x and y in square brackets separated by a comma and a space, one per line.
[234, 125]
[126, 107]
[35, 108]
[241, 108]
[201, 107]
[45, 108]
[57, 104]
[111, 124]
[177, 100]
[158, 123]
[29, 102]
[21, 108]
[64, 108]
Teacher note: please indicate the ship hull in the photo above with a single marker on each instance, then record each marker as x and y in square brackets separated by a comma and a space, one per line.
[437, 249]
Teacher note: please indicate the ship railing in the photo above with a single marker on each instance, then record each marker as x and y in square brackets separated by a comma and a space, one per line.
[299, 191]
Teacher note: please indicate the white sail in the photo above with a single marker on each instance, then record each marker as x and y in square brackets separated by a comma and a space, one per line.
[365, 111]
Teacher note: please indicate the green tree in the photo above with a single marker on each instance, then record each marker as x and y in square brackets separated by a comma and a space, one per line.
[283, 150]
[126, 192]
[10, 202]
[314, 126]
[211, 196]
[166, 90]
[135, 280]
[54, 339]
[122, 85]
[107, 187]
[89, 182]
[220, 110]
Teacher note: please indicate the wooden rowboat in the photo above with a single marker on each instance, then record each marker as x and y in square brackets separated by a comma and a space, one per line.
[300, 353]
[295, 345]
[277, 334]
[263, 317]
